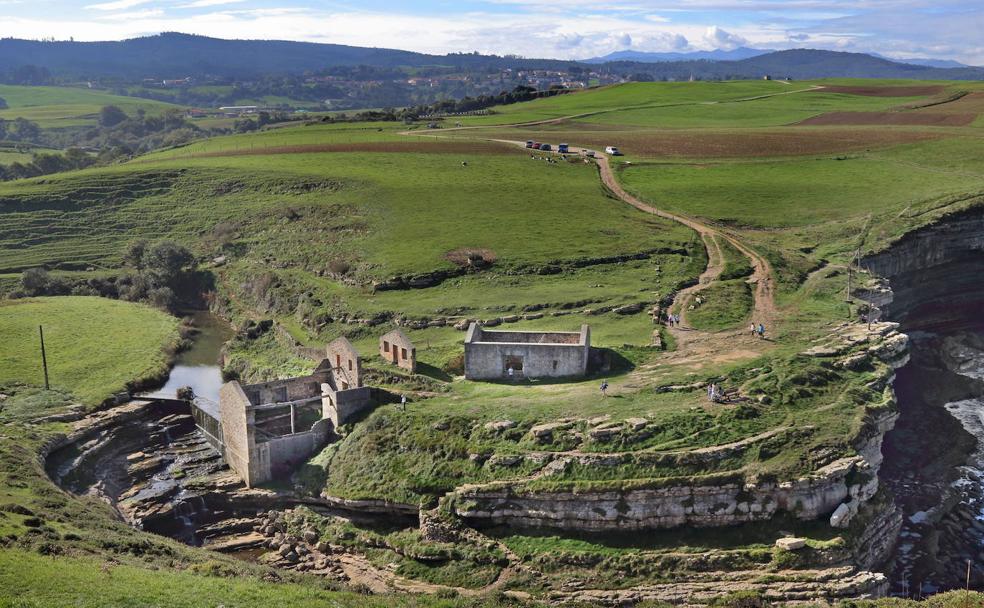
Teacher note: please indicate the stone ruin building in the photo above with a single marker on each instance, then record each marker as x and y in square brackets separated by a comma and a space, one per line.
[489, 355]
[396, 348]
[264, 431]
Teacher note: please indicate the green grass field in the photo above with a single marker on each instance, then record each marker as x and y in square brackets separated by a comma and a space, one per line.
[61, 107]
[95, 347]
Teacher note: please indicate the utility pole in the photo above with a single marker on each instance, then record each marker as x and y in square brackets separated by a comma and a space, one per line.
[44, 359]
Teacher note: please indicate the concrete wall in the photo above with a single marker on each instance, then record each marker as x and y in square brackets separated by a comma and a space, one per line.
[289, 451]
[396, 348]
[238, 436]
[488, 360]
[342, 406]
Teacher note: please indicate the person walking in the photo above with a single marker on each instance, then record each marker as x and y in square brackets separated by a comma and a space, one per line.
[761, 330]
[753, 329]
[604, 388]
[403, 402]
[510, 372]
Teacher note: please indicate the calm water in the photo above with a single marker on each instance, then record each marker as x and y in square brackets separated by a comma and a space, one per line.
[198, 367]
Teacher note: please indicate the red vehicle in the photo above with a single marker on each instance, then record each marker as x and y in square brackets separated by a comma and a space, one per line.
[536, 145]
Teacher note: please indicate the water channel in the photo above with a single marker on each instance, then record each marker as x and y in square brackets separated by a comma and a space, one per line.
[199, 366]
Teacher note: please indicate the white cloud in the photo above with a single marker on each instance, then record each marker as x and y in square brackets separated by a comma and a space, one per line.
[118, 5]
[207, 3]
[722, 39]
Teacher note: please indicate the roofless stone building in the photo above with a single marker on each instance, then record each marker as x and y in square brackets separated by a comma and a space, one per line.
[265, 430]
[489, 355]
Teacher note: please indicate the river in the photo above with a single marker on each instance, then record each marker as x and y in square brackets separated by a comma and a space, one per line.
[198, 367]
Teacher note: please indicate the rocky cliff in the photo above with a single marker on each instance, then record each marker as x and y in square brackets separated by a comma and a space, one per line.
[837, 489]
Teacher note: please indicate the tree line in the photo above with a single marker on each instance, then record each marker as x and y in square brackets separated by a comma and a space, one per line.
[160, 274]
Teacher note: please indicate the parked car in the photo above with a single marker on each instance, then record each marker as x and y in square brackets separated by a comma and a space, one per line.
[546, 147]
[529, 143]
[536, 145]
[563, 148]
[589, 153]
[613, 151]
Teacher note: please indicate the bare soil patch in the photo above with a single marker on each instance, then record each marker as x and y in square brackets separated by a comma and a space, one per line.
[478, 258]
[888, 91]
[920, 118]
[395, 147]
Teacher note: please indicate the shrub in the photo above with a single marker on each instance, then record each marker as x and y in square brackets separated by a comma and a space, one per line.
[456, 365]
[110, 116]
[740, 599]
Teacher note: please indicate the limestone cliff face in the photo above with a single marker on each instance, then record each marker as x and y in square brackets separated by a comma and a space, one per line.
[933, 274]
[675, 505]
[837, 490]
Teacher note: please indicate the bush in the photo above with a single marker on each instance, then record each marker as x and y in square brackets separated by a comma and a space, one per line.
[37, 282]
[740, 599]
[34, 281]
[110, 116]
[456, 365]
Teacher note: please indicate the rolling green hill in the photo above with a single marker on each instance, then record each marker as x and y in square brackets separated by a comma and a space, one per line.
[58, 107]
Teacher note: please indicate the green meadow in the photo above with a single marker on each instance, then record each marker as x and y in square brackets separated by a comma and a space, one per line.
[94, 346]
[60, 107]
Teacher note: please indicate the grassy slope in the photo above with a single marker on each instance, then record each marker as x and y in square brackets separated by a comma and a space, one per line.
[85, 582]
[55, 107]
[94, 346]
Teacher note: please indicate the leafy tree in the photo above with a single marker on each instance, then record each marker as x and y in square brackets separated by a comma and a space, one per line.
[34, 281]
[165, 262]
[24, 130]
[110, 116]
[133, 256]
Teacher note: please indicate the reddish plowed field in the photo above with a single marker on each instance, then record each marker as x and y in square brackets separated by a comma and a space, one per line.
[921, 118]
[401, 147]
[911, 91]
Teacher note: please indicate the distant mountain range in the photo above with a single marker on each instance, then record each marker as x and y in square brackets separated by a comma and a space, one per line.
[174, 55]
[645, 57]
[744, 53]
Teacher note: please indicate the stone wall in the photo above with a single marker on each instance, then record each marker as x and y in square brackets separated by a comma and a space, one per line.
[488, 354]
[286, 453]
[237, 433]
[341, 406]
[290, 389]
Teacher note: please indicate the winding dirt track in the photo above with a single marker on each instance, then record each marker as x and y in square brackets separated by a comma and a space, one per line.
[693, 346]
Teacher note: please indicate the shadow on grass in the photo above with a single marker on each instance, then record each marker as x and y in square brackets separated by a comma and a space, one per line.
[426, 369]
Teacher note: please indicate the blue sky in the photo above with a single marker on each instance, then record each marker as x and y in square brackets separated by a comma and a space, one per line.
[949, 29]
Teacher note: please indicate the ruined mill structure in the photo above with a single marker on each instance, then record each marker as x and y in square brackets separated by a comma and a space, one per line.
[263, 431]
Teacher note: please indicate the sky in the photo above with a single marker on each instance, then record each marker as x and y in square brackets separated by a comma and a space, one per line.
[564, 29]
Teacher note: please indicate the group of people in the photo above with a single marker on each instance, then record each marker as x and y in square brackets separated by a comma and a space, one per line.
[672, 320]
[757, 330]
[549, 159]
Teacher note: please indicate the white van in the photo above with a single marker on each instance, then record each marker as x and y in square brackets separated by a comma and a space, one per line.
[612, 150]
